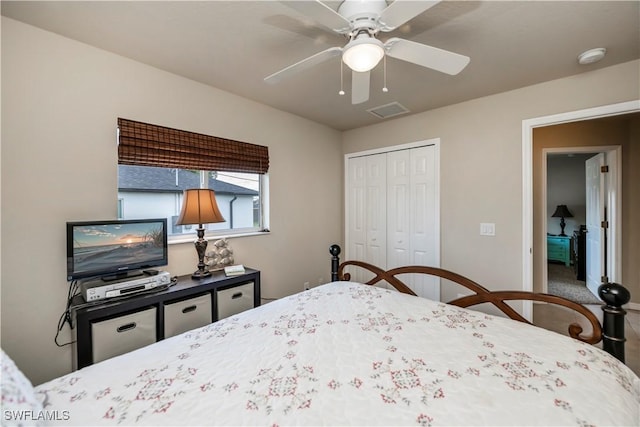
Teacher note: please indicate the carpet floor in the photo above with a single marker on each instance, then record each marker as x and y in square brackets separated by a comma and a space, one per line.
[562, 282]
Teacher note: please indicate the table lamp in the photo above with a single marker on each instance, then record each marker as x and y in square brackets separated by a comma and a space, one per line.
[562, 212]
[199, 206]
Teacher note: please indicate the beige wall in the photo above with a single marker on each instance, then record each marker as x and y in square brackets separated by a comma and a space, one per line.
[481, 164]
[601, 132]
[60, 101]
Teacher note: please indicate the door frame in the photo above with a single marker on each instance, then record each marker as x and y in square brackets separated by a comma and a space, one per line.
[614, 245]
[527, 178]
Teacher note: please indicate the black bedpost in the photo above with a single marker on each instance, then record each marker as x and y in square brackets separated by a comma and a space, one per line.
[615, 296]
[335, 261]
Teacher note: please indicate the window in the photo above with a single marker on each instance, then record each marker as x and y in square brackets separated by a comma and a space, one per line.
[153, 192]
[156, 164]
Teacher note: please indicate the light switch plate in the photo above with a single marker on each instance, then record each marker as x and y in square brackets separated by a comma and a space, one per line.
[487, 229]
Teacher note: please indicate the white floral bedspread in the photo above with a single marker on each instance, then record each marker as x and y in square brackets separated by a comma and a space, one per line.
[350, 354]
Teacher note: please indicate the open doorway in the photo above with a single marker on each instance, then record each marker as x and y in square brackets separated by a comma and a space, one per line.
[579, 197]
[534, 245]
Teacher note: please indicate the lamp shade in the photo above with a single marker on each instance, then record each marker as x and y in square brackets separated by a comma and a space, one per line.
[363, 54]
[199, 206]
[562, 212]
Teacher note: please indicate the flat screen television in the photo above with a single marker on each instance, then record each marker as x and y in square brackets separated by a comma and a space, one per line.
[115, 249]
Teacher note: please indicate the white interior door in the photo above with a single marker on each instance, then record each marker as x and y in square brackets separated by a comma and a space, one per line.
[424, 220]
[412, 234]
[595, 190]
[613, 216]
[356, 221]
[367, 217]
[376, 210]
[393, 212]
[398, 209]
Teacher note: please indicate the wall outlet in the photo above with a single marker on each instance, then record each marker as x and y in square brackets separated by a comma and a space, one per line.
[306, 286]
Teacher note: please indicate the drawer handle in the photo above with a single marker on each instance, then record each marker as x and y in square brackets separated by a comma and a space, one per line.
[127, 327]
[189, 309]
[236, 295]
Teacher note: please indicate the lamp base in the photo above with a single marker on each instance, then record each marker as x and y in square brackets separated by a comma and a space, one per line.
[201, 247]
[200, 274]
[562, 224]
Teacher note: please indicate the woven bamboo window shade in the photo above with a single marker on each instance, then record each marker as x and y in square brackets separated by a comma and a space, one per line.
[143, 144]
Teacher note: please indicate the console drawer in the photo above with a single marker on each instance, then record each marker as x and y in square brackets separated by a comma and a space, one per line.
[557, 253]
[182, 316]
[234, 300]
[123, 334]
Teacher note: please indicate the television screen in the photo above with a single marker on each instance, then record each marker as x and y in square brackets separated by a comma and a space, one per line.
[115, 249]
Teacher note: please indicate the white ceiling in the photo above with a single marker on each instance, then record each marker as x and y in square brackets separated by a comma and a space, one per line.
[233, 45]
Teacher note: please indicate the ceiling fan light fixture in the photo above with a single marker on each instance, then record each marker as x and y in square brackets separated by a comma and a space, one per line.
[363, 54]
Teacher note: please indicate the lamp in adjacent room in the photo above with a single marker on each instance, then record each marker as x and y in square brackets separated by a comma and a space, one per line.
[562, 212]
[199, 206]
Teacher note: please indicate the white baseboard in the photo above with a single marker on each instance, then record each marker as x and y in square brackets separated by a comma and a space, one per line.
[632, 306]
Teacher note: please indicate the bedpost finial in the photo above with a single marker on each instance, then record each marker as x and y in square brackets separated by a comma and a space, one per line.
[614, 294]
[334, 250]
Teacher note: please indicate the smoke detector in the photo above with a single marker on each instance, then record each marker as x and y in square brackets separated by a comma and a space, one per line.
[592, 55]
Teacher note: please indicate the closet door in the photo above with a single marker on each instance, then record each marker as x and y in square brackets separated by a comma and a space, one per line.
[398, 209]
[392, 203]
[356, 221]
[424, 220]
[367, 218]
[412, 234]
[376, 210]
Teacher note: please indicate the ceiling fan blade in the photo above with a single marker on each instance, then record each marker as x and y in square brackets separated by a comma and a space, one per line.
[321, 13]
[426, 56]
[360, 87]
[401, 11]
[303, 65]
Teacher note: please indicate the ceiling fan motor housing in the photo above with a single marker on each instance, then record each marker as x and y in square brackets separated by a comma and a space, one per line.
[362, 14]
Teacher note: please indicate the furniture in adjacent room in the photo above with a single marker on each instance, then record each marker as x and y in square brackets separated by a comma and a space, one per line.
[558, 249]
[579, 247]
[114, 327]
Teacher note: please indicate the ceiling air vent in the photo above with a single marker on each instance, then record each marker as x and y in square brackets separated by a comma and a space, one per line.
[388, 110]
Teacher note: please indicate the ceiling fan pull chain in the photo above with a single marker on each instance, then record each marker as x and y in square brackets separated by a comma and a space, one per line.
[384, 68]
[341, 79]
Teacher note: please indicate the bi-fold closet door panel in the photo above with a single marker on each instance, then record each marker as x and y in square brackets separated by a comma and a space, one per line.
[412, 230]
[376, 212]
[398, 209]
[367, 222]
[393, 218]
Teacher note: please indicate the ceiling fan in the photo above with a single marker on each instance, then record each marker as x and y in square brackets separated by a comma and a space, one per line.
[361, 21]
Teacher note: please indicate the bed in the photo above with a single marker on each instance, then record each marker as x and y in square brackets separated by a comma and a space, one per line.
[347, 353]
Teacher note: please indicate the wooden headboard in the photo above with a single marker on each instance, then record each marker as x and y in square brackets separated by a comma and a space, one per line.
[611, 332]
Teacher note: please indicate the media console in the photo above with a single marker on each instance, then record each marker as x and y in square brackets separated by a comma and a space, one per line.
[111, 327]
